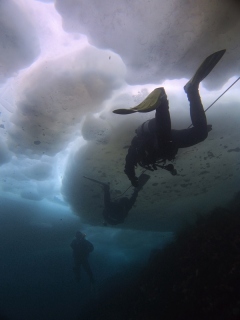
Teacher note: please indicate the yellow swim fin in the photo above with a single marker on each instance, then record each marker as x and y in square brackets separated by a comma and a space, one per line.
[149, 104]
[204, 69]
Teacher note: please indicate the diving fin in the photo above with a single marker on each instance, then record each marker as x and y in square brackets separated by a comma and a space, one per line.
[205, 68]
[148, 104]
[124, 111]
[142, 180]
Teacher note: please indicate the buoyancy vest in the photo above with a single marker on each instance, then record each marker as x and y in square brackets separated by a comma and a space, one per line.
[149, 153]
[147, 129]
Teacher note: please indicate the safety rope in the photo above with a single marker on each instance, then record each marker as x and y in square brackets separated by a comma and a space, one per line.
[126, 189]
[122, 193]
[219, 97]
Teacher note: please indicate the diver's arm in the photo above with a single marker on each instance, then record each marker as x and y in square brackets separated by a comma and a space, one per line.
[110, 217]
[131, 201]
[107, 198]
[131, 162]
[73, 244]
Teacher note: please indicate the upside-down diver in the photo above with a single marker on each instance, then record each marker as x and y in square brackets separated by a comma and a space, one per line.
[155, 141]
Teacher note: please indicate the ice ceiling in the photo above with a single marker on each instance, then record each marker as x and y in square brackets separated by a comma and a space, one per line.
[65, 65]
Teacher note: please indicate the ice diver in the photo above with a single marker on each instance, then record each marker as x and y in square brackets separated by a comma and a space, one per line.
[116, 211]
[81, 249]
[155, 142]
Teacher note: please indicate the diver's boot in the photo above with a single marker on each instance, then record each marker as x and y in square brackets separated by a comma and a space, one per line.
[205, 68]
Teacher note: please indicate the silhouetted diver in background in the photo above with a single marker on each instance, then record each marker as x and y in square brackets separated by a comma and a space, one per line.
[155, 142]
[116, 211]
[81, 250]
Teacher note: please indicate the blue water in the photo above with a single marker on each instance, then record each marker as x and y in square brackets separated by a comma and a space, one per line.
[36, 276]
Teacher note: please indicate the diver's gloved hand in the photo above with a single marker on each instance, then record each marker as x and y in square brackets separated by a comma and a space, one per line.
[209, 127]
[134, 182]
[132, 177]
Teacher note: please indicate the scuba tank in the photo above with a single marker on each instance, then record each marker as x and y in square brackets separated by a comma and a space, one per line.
[149, 153]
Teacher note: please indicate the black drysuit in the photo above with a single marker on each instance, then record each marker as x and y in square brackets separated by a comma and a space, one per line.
[81, 249]
[116, 211]
[155, 140]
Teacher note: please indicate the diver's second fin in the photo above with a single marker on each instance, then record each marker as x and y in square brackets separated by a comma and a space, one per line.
[150, 103]
[142, 180]
[205, 68]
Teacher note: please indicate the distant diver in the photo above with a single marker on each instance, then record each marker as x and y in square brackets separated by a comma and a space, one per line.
[116, 211]
[155, 142]
[81, 250]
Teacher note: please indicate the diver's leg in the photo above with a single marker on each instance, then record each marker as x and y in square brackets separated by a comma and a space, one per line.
[107, 198]
[77, 270]
[131, 201]
[163, 123]
[87, 268]
[197, 113]
[199, 132]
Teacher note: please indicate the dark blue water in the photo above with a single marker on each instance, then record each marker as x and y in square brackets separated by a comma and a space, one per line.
[36, 276]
